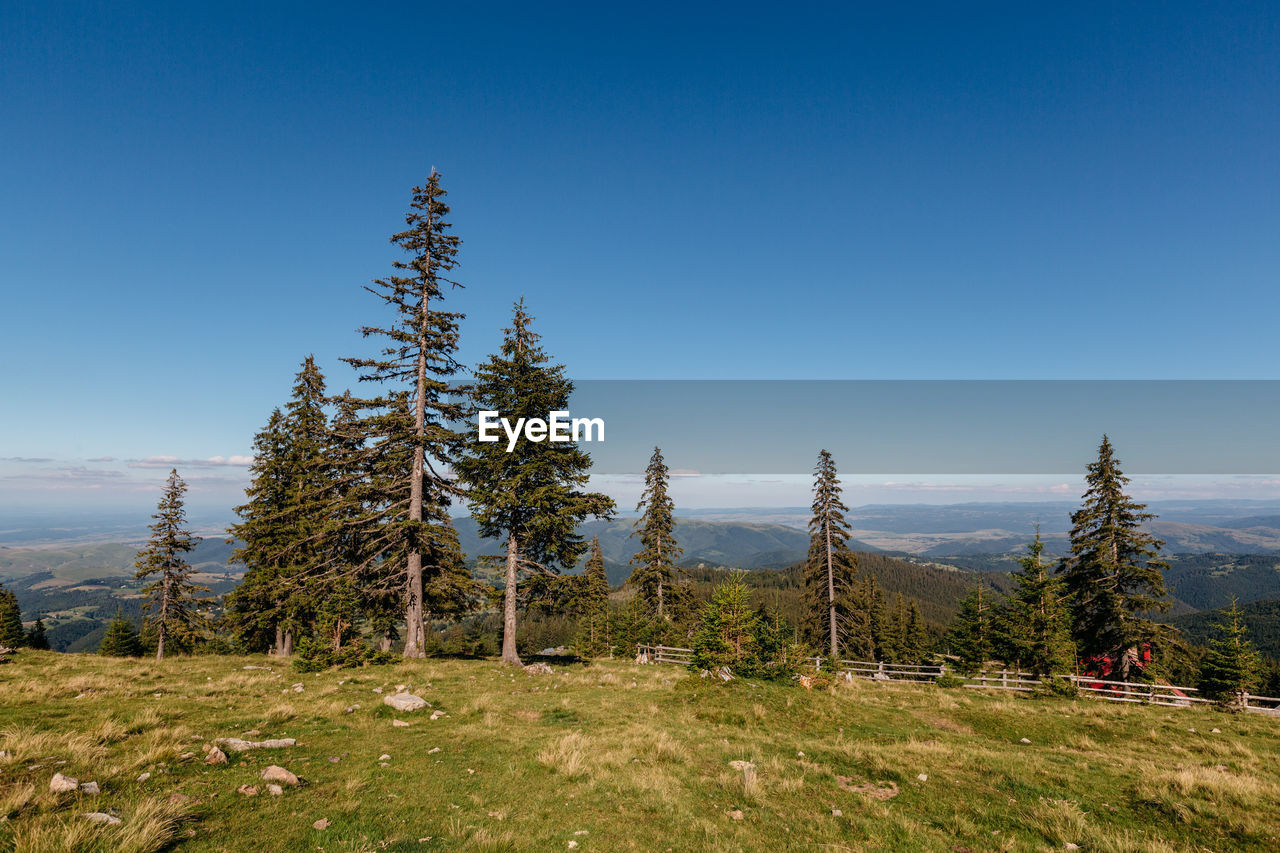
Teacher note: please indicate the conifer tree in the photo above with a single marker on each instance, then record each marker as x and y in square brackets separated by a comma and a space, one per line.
[655, 561]
[402, 439]
[11, 634]
[1231, 667]
[121, 639]
[970, 635]
[1038, 626]
[727, 633]
[591, 602]
[37, 638]
[532, 496]
[916, 644]
[282, 524]
[832, 569]
[171, 595]
[1114, 573]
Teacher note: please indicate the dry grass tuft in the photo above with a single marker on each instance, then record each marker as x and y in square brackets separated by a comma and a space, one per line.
[567, 756]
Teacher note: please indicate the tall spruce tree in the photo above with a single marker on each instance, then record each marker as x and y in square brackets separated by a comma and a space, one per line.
[1038, 626]
[655, 561]
[281, 525]
[11, 634]
[170, 597]
[402, 440]
[591, 603]
[532, 496]
[1114, 574]
[1231, 667]
[831, 570]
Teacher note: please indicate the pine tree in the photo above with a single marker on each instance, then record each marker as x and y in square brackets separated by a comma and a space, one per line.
[1231, 667]
[11, 634]
[970, 635]
[121, 639]
[1114, 573]
[727, 634]
[1037, 623]
[835, 608]
[401, 441]
[916, 644]
[37, 638]
[655, 561]
[171, 595]
[591, 603]
[530, 496]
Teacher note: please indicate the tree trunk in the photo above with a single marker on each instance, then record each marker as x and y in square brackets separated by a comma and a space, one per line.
[164, 616]
[384, 644]
[831, 595]
[509, 653]
[287, 649]
[278, 648]
[414, 630]
[659, 599]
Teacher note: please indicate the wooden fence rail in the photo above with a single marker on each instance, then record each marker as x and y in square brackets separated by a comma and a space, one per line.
[1167, 695]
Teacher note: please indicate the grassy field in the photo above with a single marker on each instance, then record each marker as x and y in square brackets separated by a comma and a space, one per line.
[611, 756]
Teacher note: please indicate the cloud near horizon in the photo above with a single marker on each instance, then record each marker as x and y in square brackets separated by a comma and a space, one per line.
[176, 462]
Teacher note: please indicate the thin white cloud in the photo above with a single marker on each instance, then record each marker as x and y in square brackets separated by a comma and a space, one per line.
[25, 459]
[178, 462]
[102, 459]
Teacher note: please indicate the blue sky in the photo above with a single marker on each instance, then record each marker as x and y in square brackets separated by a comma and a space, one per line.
[195, 195]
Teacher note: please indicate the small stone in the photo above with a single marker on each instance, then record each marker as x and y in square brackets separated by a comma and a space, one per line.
[215, 756]
[377, 690]
[1215, 731]
[437, 714]
[186, 755]
[383, 764]
[572, 844]
[142, 777]
[923, 777]
[400, 724]
[799, 754]
[322, 823]
[333, 759]
[1070, 845]
[252, 733]
[275, 790]
[1193, 731]
[433, 750]
[538, 669]
[102, 818]
[60, 784]
[736, 814]
[384, 757]
[297, 688]
[837, 813]
[276, 773]
[89, 788]
[583, 832]
[247, 790]
[1023, 740]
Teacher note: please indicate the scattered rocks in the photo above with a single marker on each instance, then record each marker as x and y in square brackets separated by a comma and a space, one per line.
[377, 690]
[351, 709]
[837, 813]
[275, 790]
[433, 750]
[437, 714]
[60, 784]
[267, 668]
[923, 777]
[90, 788]
[736, 814]
[186, 755]
[405, 702]
[321, 824]
[236, 744]
[384, 757]
[102, 818]
[1215, 731]
[142, 777]
[1071, 845]
[538, 669]
[247, 790]
[399, 724]
[572, 844]
[1023, 740]
[383, 764]
[276, 773]
[215, 756]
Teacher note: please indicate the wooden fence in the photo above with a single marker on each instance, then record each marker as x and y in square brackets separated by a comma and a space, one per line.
[1112, 691]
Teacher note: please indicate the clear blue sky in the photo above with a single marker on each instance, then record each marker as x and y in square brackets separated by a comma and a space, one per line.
[194, 195]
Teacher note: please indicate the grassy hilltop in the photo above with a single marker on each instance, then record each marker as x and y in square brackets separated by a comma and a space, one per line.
[611, 756]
